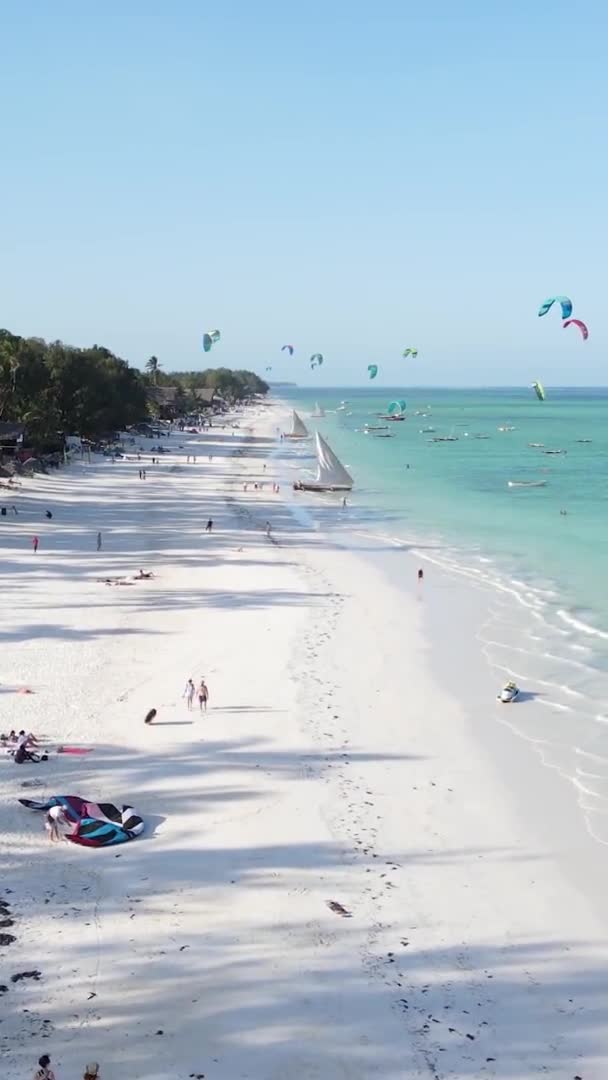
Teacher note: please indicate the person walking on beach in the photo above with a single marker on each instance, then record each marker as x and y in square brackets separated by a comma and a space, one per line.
[203, 695]
[189, 693]
[268, 530]
[209, 525]
[150, 716]
[35, 542]
[44, 1071]
[99, 541]
[421, 575]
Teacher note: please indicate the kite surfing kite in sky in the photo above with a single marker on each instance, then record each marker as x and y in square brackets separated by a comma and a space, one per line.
[93, 824]
[316, 360]
[564, 301]
[566, 306]
[210, 339]
[289, 349]
[410, 352]
[373, 370]
[577, 322]
[539, 389]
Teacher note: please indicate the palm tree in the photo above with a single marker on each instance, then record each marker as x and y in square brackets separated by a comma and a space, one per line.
[153, 366]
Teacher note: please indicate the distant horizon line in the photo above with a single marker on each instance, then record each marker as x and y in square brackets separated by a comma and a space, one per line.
[451, 386]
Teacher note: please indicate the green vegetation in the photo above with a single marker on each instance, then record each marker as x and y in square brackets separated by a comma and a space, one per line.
[230, 385]
[57, 389]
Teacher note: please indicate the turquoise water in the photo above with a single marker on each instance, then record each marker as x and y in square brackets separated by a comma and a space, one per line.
[543, 571]
[460, 491]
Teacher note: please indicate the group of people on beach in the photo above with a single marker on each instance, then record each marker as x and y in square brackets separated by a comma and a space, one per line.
[21, 746]
[45, 1072]
[190, 692]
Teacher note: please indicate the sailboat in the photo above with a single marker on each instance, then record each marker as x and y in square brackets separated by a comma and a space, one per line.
[298, 428]
[319, 411]
[331, 474]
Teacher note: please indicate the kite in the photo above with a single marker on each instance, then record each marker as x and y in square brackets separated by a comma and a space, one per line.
[316, 360]
[373, 370]
[577, 322]
[410, 352]
[396, 408]
[94, 824]
[566, 306]
[289, 349]
[540, 390]
[268, 369]
[210, 339]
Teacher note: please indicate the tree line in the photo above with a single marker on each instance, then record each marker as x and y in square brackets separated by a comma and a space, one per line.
[57, 389]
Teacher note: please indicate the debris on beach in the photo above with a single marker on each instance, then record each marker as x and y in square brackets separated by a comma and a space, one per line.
[338, 909]
[36, 975]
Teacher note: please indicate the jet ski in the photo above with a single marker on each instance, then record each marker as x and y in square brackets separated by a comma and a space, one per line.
[509, 693]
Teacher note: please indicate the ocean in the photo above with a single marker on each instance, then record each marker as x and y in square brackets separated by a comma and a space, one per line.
[538, 551]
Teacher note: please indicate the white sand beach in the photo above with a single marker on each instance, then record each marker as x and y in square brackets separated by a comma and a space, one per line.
[351, 752]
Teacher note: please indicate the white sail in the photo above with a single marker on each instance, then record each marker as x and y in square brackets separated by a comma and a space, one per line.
[319, 411]
[298, 427]
[330, 471]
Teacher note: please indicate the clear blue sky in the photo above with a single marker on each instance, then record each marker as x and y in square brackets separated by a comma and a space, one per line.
[349, 177]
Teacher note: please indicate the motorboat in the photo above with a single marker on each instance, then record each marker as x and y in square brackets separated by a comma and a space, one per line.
[536, 445]
[390, 416]
[526, 483]
[331, 473]
[509, 693]
[555, 451]
[506, 428]
[445, 438]
[584, 440]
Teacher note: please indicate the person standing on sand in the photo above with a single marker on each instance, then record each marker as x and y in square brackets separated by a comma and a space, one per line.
[203, 695]
[35, 542]
[54, 818]
[99, 541]
[421, 575]
[189, 693]
[268, 530]
[44, 1071]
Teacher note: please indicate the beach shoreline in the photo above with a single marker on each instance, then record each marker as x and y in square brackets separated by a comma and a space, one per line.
[350, 754]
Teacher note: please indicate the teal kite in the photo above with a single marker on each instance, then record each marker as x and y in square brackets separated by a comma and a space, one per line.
[373, 370]
[564, 301]
[210, 338]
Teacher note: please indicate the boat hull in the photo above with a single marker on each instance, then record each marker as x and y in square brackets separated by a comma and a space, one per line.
[303, 485]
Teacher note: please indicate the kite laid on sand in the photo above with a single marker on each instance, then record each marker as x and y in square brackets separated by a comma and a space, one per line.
[94, 824]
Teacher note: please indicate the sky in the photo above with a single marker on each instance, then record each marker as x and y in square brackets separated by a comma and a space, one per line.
[347, 177]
